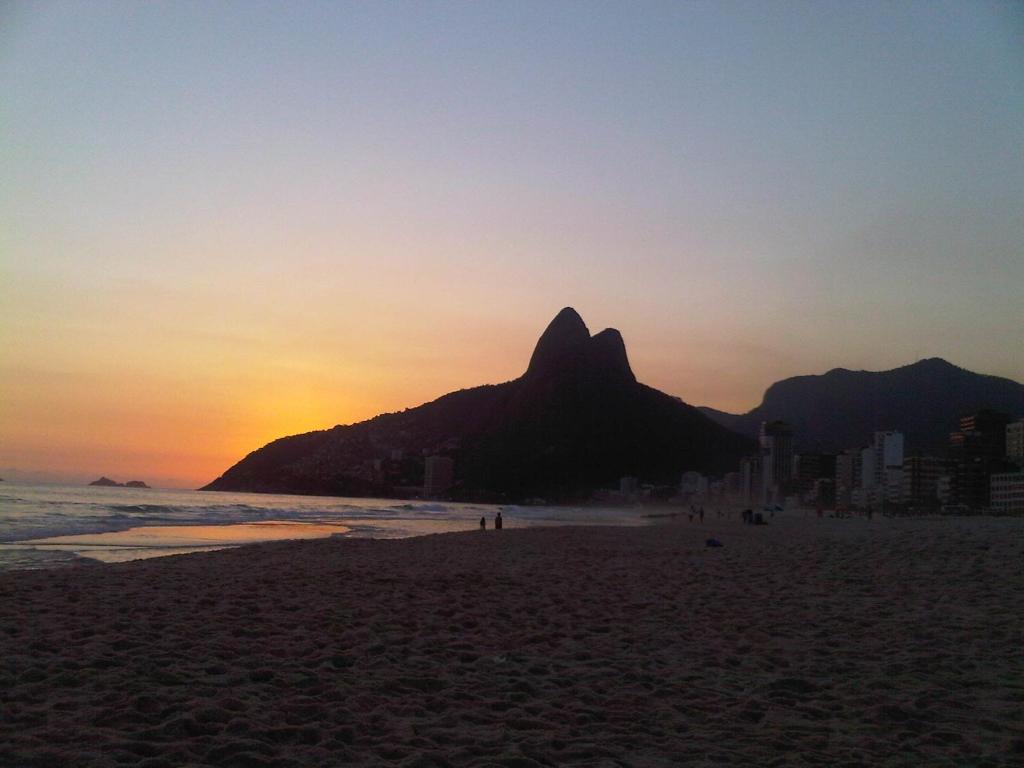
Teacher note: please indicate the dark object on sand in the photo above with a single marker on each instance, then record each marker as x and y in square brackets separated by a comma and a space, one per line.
[713, 543]
[483, 523]
[497, 522]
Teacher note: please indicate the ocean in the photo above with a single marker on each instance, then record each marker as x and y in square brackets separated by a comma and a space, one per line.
[44, 526]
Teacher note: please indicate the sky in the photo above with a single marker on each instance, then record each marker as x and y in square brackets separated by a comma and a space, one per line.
[221, 223]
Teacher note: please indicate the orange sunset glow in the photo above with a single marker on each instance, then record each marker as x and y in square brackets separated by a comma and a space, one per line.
[411, 383]
[194, 265]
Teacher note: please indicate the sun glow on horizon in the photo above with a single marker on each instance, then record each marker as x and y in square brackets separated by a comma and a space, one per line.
[316, 214]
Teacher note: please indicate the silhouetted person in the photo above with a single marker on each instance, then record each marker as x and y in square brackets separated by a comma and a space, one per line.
[483, 523]
[497, 522]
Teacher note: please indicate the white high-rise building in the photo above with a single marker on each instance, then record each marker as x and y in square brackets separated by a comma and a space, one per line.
[1007, 492]
[888, 451]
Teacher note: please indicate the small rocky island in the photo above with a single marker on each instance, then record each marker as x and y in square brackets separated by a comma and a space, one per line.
[106, 482]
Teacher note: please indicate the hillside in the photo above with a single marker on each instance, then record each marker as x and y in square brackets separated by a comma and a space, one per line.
[841, 408]
[576, 420]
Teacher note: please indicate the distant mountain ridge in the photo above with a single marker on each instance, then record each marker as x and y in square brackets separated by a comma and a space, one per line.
[576, 420]
[842, 408]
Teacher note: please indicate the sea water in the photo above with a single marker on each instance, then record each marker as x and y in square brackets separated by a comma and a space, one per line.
[49, 525]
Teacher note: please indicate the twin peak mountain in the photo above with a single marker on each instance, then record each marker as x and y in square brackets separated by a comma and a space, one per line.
[576, 420]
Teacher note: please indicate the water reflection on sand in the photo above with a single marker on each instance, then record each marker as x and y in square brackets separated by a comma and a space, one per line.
[156, 541]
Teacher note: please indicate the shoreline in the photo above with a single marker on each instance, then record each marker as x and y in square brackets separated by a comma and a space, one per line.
[836, 642]
[95, 516]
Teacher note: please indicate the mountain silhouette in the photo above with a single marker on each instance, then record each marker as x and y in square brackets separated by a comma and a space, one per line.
[841, 409]
[576, 420]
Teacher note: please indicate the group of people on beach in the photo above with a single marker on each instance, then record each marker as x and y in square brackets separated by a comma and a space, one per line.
[497, 522]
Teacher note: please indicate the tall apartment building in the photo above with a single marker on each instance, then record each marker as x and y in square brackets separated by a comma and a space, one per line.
[921, 475]
[731, 487]
[868, 475]
[811, 467]
[848, 470]
[777, 460]
[1006, 490]
[751, 476]
[438, 475]
[979, 451]
[864, 489]
[888, 467]
[1015, 442]
[881, 471]
[888, 448]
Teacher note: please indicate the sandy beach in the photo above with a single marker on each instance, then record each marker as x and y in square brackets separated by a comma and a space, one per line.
[806, 642]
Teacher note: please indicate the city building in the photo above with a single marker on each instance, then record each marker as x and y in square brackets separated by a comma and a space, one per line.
[921, 475]
[888, 447]
[868, 475]
[438, 475]
[881, 472]
[751, 476]
[988, 422]
[629, 487]
[1006, 490]
[1015, 442]
[823, 493]
[776, 441]
[944, 490]
[888, 467]
[808, 468]
[848, 470]
[693, 486]
[978, 450]
[863, 495]
[731, 487]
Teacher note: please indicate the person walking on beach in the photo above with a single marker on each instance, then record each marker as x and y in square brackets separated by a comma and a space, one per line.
[483, 523]
[497, 522]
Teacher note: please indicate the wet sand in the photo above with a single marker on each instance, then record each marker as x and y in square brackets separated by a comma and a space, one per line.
[162, 540]
[835, 642]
